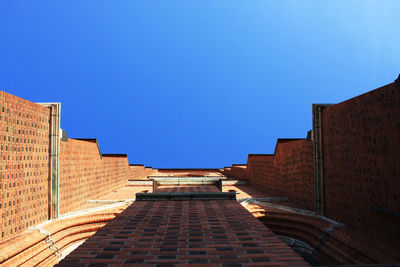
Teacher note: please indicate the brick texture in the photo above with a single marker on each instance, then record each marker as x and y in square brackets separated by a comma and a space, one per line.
[294, 172]
[139, 172]
[237, 171]
[361, 144]
[184, 232]
[261, 171]
[85, 175]
[332, 244]
[34, 247]
[24, 167]
[289, 172]
[24, 151]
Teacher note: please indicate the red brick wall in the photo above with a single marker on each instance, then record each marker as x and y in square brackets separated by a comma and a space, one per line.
[163, 233]
[140, 172]
[24, 166]
[237, 171]
[294, 172]
[85, 175]
[361, 143]
[289, 172]
[260, 171]
[24, 142]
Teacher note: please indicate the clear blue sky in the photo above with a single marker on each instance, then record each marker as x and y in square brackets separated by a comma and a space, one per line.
[195, 83]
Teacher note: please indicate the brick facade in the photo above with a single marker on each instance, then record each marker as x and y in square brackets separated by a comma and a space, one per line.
[24, 167]
[289, 172]
[294, 172]
[361, 144]
[215, 232]
[261, 171]
[237, 171]
[360, 174]
[24, 156]
[333, 243]
[138, 172]
[86, 174]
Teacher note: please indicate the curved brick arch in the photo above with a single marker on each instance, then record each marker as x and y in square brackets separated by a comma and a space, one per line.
[333, 243]
[45, 244]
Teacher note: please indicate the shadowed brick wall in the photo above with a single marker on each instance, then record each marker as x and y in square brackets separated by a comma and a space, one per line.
[24, 151]
[84, 174]
[361, 145]
[260, 170]
[288, 172]
[294, 172]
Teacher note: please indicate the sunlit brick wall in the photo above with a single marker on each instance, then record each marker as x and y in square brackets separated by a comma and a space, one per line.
[238, 171]
[85, 175]
[361, 143]
[116, 168]
[24, 152]
[140, 172]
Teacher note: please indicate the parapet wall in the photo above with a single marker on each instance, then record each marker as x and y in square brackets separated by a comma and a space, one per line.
[86, 174]
[237, 171]
[24, 169]
[260, 170]
[361, 151]
[138, 172]
[360, 158]
[288, 172]
[294, 172]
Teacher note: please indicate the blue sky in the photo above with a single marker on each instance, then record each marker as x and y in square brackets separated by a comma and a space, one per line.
[195, 83]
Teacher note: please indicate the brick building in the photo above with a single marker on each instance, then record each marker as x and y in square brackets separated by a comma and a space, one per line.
[329, 198]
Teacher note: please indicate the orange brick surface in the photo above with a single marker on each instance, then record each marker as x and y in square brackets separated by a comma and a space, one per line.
[140, 172]
[289, 172]
[24, 151]
[184, 232]
[85, 174]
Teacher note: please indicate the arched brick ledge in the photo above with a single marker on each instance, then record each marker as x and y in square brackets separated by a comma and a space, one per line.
[44, 244]
[331, 244]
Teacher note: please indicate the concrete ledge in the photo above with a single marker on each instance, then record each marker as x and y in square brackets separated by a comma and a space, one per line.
[234, 182]
[140, 182]
[188, 181]
[150, 182]
[184, 179]
[109, 201]
[186, 196]
[263, 199]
